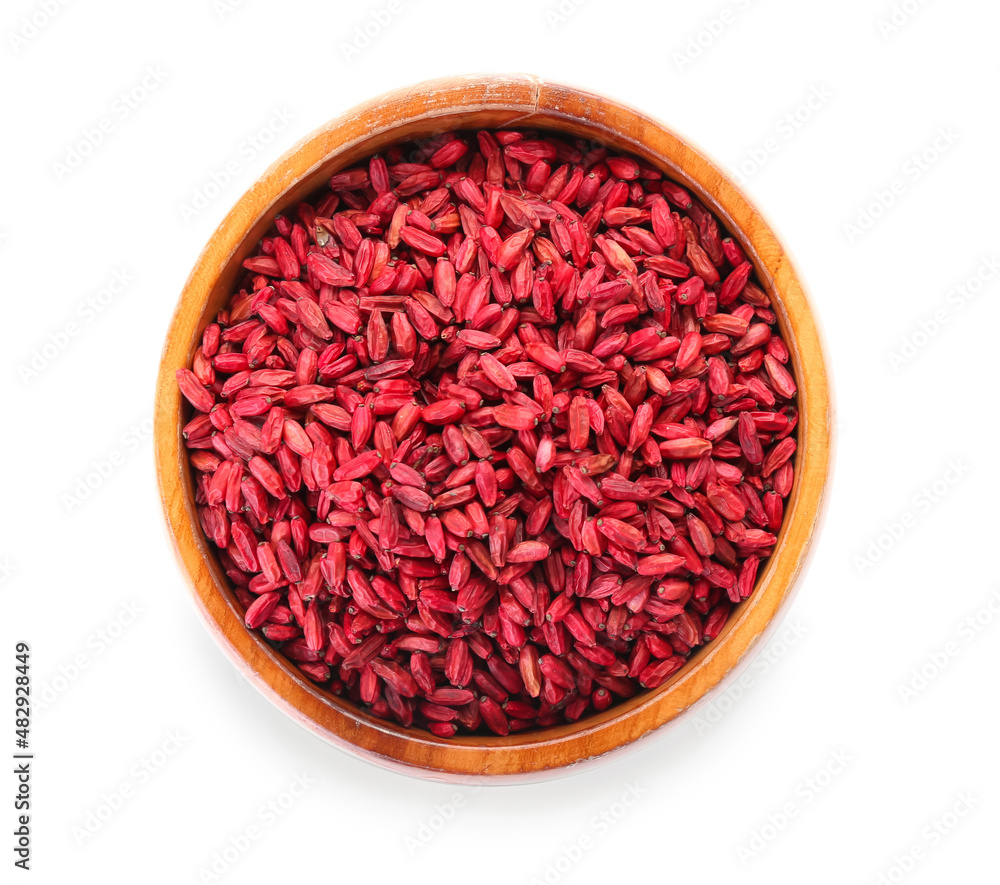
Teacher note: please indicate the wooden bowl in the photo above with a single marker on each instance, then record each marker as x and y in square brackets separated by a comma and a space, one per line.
[419, 111]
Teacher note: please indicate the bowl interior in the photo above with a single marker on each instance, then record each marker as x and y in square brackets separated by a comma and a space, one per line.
[425, 110]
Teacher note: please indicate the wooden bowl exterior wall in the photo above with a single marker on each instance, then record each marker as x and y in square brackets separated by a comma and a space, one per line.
[473, 103]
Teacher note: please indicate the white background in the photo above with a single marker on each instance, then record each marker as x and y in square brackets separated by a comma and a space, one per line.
[917, 406]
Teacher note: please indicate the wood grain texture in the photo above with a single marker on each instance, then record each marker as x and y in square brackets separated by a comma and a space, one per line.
[471, 103]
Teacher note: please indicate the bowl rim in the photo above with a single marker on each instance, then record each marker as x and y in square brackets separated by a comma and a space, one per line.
[529, 102]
